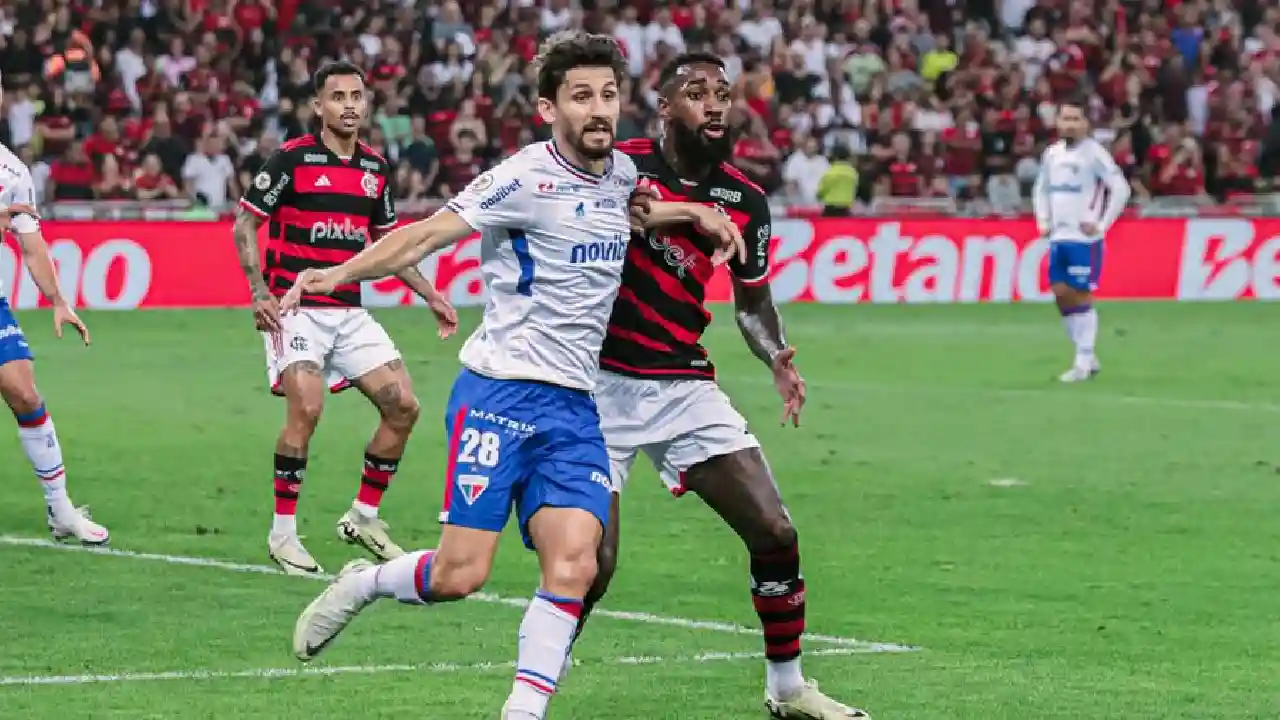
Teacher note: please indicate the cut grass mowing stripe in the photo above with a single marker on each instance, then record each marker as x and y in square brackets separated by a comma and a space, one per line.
[432, 668]
[640, 617]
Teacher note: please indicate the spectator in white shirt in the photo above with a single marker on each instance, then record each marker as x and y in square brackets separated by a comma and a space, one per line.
[662, 30]
[208, 174]
[22, 115]
[1033, 50]
[760, 25]
[131, 65]
[631, 35]
[803, 171]
[556, 16]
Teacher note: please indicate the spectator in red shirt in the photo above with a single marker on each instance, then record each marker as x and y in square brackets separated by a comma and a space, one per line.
[756, 156]
[112, 184]
[150, 182]
[72, 176]
[106, 142]
[1183, 173]
[904, 175]
[461, 167]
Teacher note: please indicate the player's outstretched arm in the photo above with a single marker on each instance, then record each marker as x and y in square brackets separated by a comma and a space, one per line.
[35, 254]
[399, 249]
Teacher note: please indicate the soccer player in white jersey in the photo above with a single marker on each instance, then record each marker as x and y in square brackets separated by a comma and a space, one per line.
[17, 370]
[522, 424]
[1078, 195]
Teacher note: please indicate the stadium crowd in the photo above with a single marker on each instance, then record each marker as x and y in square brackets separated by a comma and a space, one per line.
[174, 99]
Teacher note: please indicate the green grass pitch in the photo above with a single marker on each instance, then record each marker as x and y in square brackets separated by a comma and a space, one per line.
[1106, 550]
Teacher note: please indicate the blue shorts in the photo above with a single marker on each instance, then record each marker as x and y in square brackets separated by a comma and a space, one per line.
[524, 444]
[1076, 264]
[13, 344]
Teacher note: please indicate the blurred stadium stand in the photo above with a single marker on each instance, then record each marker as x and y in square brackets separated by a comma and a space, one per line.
[163, 108]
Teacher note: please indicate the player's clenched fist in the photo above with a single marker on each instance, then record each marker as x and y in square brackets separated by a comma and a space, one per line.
[313, 281]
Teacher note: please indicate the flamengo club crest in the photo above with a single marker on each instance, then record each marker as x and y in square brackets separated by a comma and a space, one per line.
[369, 183]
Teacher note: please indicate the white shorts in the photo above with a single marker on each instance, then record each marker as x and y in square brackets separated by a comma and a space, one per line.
[346, 342]
[677, 423]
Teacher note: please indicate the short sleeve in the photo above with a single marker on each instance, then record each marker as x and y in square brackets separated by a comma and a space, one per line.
[21, 191]
[498, 199]
[757, 233]
[384, 216]
[266, 191]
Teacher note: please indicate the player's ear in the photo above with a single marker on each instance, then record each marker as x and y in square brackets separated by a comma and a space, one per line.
[547, 110]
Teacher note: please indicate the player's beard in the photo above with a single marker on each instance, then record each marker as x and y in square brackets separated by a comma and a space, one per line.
[591, 153]
[695, 146]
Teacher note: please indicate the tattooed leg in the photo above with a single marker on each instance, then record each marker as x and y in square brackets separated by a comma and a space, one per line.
[391, 392]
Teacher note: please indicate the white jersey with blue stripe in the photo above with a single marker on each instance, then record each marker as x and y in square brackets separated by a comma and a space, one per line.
[16, 187]
[553, 242]
[1079, 183]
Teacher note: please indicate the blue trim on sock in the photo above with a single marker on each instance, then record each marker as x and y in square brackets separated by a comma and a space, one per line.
[537, 676]
[37, 414]
[549, 597]
[424, 580]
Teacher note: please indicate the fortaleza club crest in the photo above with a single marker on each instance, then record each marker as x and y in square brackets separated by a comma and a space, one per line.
[369, 183]
[472, 487]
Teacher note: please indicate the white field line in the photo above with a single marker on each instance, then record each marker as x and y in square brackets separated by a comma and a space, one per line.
[1057, 394]
[430, 668]
[640, 617]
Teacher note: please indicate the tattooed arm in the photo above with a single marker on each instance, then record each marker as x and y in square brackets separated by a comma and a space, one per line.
[759, 320]
[756, 313]
[266, 309]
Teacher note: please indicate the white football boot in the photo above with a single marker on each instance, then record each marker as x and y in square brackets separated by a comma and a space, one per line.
[1081, 372]
[76, 525]
[369, 533]
[331, 612]
[288, 553]
[810, 704]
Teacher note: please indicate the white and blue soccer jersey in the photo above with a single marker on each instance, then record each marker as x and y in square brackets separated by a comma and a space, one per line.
[15, 188]
[523, 427]
[1079, 184]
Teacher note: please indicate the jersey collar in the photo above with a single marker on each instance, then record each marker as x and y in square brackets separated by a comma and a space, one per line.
[580, 173]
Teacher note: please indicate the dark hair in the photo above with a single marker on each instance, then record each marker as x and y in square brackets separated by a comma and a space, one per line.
[1076, 100]
[334, 68]
[694, 58]
[571, 49]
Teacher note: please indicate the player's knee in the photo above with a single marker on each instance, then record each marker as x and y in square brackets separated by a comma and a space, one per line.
[773, 533]
[304, 413]
[403, 412]
[571, 573]
[23, 399]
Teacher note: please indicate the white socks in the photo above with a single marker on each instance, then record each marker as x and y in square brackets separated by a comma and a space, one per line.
[783, 679]
[40, 443]
[545, 636]
[1081, 324]
[406, 578]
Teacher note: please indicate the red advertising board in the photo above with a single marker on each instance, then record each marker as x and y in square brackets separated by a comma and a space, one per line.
[124, 265]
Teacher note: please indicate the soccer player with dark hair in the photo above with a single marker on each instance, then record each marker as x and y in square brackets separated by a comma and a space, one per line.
[522, 424]
[325, 196]
[1078, 196]
[657, 391]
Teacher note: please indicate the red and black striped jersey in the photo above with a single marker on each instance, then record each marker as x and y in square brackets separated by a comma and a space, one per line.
[660, 314]
[323, 210]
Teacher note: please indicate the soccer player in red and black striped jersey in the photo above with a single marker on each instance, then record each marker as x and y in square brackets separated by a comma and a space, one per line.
[324, 196]
[657, 391]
